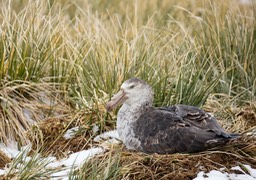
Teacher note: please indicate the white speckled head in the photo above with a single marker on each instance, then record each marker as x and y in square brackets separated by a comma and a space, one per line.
[137, 91]
[133, 91]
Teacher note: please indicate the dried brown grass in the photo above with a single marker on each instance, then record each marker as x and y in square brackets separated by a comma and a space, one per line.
[47, 136]
[4, 159]
[23, 104]
[137, 165]
[234, 118]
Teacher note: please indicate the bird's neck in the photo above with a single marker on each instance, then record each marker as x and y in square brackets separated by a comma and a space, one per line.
[137, 107]
[131, 113]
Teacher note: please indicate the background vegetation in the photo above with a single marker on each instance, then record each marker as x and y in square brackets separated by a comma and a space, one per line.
[64, 60]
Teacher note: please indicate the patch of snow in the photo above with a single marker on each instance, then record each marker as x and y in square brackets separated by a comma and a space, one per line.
[61, 175]
[4, 103]
[200, 176]
[71, 133]
[212, 175]
[11, 149]
[95, 129]
[107, 135]
[74, 160]
[107, 144]
[251, 170]
[52, 162]
[46, 99]
[28, 115]
[2, 171]
[78, 158]
[240, 177]
[217, 175]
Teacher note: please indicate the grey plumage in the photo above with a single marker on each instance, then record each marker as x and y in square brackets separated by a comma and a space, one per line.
[170, 129]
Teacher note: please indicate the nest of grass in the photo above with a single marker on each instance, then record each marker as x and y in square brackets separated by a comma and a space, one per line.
[235, 119]
[137, 165]
[47, 137]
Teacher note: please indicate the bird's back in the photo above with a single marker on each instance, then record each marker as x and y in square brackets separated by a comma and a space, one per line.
[179, 128]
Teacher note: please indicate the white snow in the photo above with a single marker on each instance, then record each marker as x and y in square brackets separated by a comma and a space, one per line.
[74, 160]
[71, 133]
[2, 171]
[61, 175]
[28, 115]
[251, 170]
[46, 99]
[11, 149]
[78, 158]
[218, 175]
[107, 135]
[107, 139]
[95, 129]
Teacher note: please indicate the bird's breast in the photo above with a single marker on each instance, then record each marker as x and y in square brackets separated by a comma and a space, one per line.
[125, 129]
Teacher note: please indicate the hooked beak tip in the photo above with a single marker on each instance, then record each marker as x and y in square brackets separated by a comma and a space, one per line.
[109, 108]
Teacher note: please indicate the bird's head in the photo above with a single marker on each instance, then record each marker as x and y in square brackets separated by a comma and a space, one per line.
[132, 91]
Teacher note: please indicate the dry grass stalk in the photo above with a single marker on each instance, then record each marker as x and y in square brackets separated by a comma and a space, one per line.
[4, 159]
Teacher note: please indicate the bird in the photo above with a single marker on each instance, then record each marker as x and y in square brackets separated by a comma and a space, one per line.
[163, 130]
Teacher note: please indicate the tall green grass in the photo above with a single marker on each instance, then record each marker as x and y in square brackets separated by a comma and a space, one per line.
[101, 46]
[230, 41]
[104, 167]
[33, 167]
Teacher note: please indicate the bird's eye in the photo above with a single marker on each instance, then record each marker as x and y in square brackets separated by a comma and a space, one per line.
[132, 86]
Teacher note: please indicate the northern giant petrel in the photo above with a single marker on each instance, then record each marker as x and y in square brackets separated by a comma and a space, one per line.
[170, 129]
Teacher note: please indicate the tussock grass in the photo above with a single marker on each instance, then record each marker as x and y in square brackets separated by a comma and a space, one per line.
[231, 43]
[105, 166]
[24, 103]
[33, 167]
[61, 61]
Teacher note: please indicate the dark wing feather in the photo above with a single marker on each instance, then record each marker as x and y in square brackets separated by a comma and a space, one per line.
[197, 117]
[167, 130]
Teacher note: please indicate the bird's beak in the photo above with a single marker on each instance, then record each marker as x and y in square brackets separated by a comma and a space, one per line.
[116, 100]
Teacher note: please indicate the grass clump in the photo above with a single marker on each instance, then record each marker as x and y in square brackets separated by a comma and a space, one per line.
[34, 167]
[24, 103]
[230, 42]
[105, 166]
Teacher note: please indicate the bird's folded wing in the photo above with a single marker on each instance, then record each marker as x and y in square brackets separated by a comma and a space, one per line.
[163, 131]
